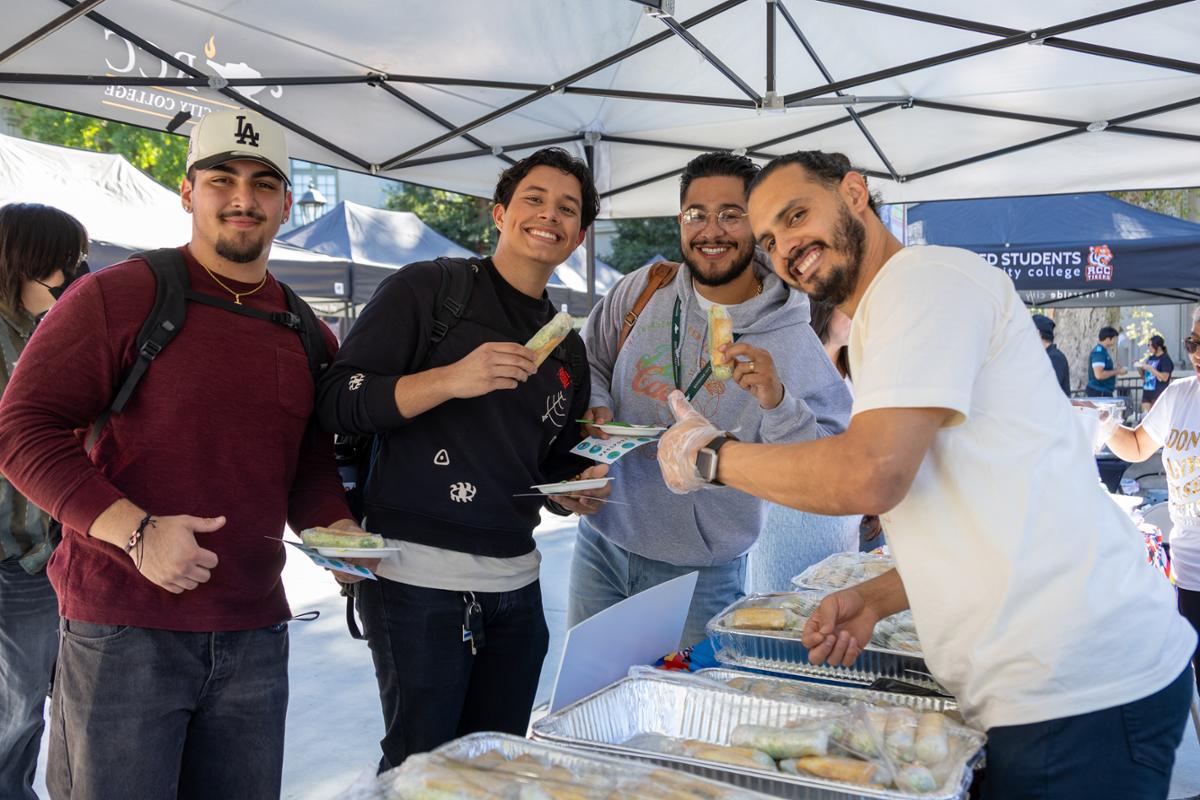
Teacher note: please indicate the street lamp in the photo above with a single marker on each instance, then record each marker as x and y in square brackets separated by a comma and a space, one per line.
[312, 203]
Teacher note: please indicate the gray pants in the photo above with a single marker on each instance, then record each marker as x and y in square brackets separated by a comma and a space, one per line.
[28, 644]
[154, 714]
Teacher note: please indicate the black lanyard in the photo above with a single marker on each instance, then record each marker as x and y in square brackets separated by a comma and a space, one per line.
[676, 357]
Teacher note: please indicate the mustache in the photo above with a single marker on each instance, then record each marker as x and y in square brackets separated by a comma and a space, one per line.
[257, 216]
[698, 242]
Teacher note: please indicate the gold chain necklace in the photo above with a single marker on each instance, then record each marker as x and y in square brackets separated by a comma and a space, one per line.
[237, 296]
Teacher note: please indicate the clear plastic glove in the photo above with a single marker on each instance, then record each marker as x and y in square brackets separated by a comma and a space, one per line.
[678, 447]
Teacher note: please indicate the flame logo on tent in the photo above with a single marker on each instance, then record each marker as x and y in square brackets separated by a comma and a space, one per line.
[236, 69]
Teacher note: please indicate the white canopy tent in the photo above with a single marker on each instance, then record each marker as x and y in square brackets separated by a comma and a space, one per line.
[931, 100]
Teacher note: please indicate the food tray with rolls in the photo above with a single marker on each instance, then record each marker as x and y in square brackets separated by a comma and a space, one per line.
[804, 691]
[762, 631]
[640, 716]
[496, 765]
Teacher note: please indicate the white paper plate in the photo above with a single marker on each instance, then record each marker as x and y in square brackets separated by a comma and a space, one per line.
[356, 552]
[571, 486]
[631, 430]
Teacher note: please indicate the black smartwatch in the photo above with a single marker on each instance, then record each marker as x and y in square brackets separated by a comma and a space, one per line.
[706, 459]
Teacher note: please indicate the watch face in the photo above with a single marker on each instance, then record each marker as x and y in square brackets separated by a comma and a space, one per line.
[706, 464]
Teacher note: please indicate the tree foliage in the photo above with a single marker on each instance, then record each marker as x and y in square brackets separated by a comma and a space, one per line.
[460, 218]
[639, 240]
[160, 155]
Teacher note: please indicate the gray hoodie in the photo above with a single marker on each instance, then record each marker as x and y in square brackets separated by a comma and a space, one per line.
[718, 524]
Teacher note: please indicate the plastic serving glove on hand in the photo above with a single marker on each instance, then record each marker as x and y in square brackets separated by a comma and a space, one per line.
[1109, 422]
[678, 447]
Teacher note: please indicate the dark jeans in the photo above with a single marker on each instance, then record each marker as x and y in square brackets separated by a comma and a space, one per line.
[1189, 607]
[430, 685]
[1122, 752]
[1088, 391]
[158, 714]
[28, 646]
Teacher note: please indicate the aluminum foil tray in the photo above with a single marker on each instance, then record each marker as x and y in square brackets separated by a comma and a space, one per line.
[580, 762]
[945, 705]
[782, 651]
[606, 719]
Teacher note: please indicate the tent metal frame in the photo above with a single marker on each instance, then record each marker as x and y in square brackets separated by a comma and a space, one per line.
[748, 97]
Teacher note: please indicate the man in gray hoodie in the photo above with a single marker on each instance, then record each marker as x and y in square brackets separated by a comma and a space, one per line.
[783, 389]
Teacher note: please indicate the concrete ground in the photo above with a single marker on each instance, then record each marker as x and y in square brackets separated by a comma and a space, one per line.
[334, 722]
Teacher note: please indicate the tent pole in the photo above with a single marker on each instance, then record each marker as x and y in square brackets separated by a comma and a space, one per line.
[998, 30]
[711, 57]
[589, 150]
[440, 120]
[49, 28]
[549, 89]
[1021, 37]
[816, 59]
[770, 46]
[459, 156]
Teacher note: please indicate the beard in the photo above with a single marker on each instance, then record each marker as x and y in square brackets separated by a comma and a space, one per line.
[243, 247]
[741, 261]
[840, 280]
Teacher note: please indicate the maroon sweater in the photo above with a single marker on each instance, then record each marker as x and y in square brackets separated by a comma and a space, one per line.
[217, 426]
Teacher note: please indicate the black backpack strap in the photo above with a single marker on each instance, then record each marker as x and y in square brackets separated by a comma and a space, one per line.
[573, 353]
[166, 318]
[454, 293]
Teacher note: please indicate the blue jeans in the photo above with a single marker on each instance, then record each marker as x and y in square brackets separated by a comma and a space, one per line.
[28, 646]
[603, 574]
[1122, 752]
[431, 686]
[159, 715]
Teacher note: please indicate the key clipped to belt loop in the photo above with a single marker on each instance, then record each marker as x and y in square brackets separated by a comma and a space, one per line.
[472, 628]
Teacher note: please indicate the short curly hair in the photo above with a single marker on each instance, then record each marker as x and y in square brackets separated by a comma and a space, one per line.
[561, 160]
[828, 168]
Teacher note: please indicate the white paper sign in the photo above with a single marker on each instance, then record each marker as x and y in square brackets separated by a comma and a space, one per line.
[609, 450]
[638, 630]
[335, 564]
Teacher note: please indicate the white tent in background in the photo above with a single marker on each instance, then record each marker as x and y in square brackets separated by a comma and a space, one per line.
[573, 272]
[124, 210]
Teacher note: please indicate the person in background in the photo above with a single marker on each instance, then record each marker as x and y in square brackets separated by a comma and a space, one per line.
[1156, 371]
[1058, 361]
[1102, 372]
[1173, 423]
[42, 249]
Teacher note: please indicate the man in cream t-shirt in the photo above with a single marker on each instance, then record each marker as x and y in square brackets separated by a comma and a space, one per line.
[1029, 588]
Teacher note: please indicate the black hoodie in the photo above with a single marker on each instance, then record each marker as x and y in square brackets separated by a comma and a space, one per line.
[448, 478]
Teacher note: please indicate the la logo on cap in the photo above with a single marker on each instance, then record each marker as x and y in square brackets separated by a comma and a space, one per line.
[245, 132]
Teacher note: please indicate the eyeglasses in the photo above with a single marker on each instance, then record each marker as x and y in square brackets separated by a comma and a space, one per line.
[727, 218]
[1191, 344]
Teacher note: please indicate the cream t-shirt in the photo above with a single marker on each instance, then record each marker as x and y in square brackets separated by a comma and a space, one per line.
[1174, 423]
[1029, 587]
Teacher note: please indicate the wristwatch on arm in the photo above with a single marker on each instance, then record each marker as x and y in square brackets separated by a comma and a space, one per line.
[707, 458]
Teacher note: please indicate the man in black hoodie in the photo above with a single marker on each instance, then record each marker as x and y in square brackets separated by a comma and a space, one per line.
[463, 430]
[1045, 328]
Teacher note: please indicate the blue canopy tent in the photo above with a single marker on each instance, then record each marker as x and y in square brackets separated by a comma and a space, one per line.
[1071, 250]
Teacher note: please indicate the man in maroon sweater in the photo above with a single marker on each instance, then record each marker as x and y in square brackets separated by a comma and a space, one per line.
[172, 675]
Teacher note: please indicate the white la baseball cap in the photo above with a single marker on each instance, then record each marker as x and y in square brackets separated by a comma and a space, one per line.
[239, 133]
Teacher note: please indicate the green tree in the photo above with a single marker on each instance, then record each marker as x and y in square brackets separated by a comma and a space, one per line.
[462, 219]
[160, 155]
[638, 240]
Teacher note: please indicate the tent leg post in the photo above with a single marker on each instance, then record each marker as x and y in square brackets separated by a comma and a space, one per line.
[589, 150]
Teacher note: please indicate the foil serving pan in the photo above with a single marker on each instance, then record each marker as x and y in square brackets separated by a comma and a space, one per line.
[606, 719]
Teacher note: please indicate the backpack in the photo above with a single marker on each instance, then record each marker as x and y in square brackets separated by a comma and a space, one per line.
[356, 453]
[172, 293]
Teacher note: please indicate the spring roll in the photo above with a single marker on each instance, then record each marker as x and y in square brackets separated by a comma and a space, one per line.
[901, 734]
[550, 336]
[734, 756]
[933, 744]
[763, 619]
[865, 736]
[782, 742]
[915, 778]
[331, 537]
[720, 332]
[850, 770]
